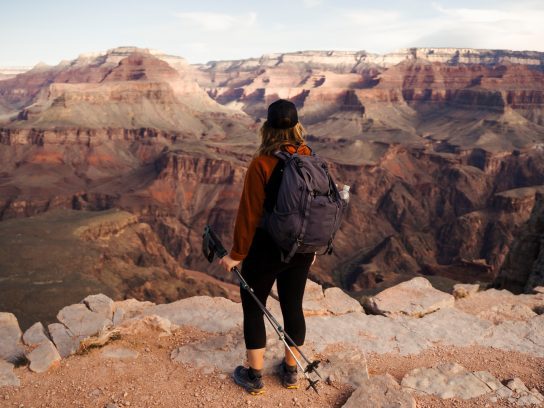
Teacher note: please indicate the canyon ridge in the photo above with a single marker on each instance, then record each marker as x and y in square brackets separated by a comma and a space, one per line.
[112, 164]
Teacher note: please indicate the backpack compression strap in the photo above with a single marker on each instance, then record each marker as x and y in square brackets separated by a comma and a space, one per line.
[300, 238]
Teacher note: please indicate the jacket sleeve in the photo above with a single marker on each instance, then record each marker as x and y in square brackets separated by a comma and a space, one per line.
[250, 209]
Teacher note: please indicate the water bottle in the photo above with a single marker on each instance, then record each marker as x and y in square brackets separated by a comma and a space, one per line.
[344, 194]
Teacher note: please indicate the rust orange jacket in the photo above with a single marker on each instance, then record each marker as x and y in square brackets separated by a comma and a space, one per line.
[251, 208]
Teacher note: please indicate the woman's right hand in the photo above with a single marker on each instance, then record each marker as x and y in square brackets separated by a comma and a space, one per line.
[228, 263]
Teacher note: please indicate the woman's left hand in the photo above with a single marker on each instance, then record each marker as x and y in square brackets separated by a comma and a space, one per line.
[228, 263]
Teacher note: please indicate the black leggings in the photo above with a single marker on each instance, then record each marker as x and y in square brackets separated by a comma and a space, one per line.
[260, 269]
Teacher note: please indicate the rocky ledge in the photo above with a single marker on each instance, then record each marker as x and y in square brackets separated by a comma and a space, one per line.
[412, 347]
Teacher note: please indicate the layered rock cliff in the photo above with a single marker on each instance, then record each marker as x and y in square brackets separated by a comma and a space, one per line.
[443, 150]
[523, 268]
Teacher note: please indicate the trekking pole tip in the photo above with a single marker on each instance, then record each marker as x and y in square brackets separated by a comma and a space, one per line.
[313, 385]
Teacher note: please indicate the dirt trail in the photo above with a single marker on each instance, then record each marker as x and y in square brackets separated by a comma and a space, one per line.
[153, 380]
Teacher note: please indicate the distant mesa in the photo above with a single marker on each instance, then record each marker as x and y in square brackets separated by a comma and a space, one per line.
[442, 149]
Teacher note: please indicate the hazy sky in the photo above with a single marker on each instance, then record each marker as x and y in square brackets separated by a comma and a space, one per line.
[50, 31]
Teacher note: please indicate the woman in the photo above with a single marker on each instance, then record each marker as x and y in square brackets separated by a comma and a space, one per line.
[262, 264]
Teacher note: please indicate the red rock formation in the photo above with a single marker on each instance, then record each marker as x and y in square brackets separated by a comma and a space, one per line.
[443, 150]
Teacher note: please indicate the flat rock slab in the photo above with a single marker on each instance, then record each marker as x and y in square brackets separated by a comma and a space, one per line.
[7, 376]
[119, 353]
[35, 335]
[338, 302]
[100, 304]
[503, 312]
[210, 314]
[128, 308]
[66, 343]
[348, 367]
[525, 337]
[447, 380]
[451, 380]
[356, 331]
[226, 351]
[379, 334]
[43, 357]
[450, 327]
[11, 348]
[380, 391]
[223, 352]
[81, 321]
[486, 300]
[415, 298]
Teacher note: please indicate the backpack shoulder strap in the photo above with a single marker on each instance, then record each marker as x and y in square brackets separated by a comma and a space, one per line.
[272, 186]
[280, 154]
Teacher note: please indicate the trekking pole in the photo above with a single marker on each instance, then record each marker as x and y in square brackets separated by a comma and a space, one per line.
[211, 246]
[311, 365]
[283, 336]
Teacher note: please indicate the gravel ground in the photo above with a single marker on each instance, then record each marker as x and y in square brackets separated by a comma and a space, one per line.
[504, 365]
[153, 380]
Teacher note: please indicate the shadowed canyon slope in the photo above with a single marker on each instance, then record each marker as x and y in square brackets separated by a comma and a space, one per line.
[444, 150]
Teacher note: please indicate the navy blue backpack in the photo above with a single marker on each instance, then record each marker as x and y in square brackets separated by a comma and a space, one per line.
[308, 209]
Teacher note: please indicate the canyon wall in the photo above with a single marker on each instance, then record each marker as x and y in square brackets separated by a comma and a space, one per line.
[443, 150]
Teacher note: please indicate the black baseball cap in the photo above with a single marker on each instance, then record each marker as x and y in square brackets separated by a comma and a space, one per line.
[282, 114]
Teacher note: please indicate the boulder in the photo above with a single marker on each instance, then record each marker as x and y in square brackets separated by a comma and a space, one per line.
[517, 385]
[211, 314]
[503, 312]
[7, 376]
[493, 383]
[447, 380]
[338, 302]
[318, 302]
[128, 308]
[462, 290]
[415, 298]
[11, 348]
[314, 300]
[348, 367]
[66, 343]
[43, 357]
[522, 396]
[81, 321]
[100, 304]
[35, 335]
[380, 391]
[312, 291]
[538, 289]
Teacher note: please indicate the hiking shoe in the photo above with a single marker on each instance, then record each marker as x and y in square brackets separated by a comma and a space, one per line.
[289, 376]
[243, 378]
